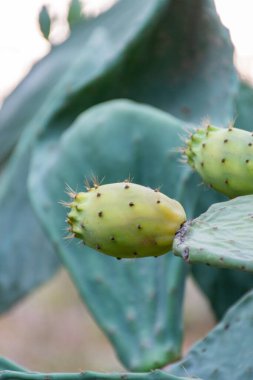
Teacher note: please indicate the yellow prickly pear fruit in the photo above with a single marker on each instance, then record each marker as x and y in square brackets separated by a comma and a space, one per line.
[125, 220]
[223, 158]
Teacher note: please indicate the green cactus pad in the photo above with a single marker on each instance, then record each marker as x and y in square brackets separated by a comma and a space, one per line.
[223, 158]
[91, 375]
[9, 365]
[11, 371]
[125, 220]
[221, 237]
[226, 352]
[138, 303]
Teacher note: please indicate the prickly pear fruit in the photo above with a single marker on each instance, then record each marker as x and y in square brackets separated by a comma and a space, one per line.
[125, 220]
[223, 158]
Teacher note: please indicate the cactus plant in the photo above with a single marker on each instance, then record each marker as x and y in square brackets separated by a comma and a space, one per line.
[152, 54]
[73, 85]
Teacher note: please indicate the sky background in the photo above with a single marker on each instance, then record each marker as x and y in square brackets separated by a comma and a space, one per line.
[21, 43]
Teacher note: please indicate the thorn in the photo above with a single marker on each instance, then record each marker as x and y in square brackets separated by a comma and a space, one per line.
[247, 161]
[119, 258]
[100, 214]
[188, 130]
[181, 149]
[87, 184]
[126, 187]
[158, 201]
[131, 204]
[65, 204]
[206, 122]
[69, 236]
[70, 220]
[139, 227]
[95, 181]
[232, 122]
[129, 179]
[67, 229]
[98, 195]
[249, 144]
[225, 141]
[112, 238]
[182, 160]
[70, 192]
[223, 160]
[98, 246]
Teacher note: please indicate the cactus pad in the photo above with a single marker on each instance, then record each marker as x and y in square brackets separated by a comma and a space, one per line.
[226, 352]
[125, 220]
[137, 303]
[221, 237]
[10, 370]
[223, 158]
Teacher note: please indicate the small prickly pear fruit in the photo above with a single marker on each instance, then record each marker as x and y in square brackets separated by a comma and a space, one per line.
[223, 158]
[125, 220]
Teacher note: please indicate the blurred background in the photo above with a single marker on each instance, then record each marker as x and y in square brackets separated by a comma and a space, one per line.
[51, 330]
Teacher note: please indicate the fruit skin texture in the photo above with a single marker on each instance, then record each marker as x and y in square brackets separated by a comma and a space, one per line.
[125, 220]
[223, 158]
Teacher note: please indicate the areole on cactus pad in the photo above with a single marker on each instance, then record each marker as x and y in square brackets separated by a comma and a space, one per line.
[125, 220]
[223, 158]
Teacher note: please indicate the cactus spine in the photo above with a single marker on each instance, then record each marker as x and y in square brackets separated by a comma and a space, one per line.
[223, 158]
[125, 220]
